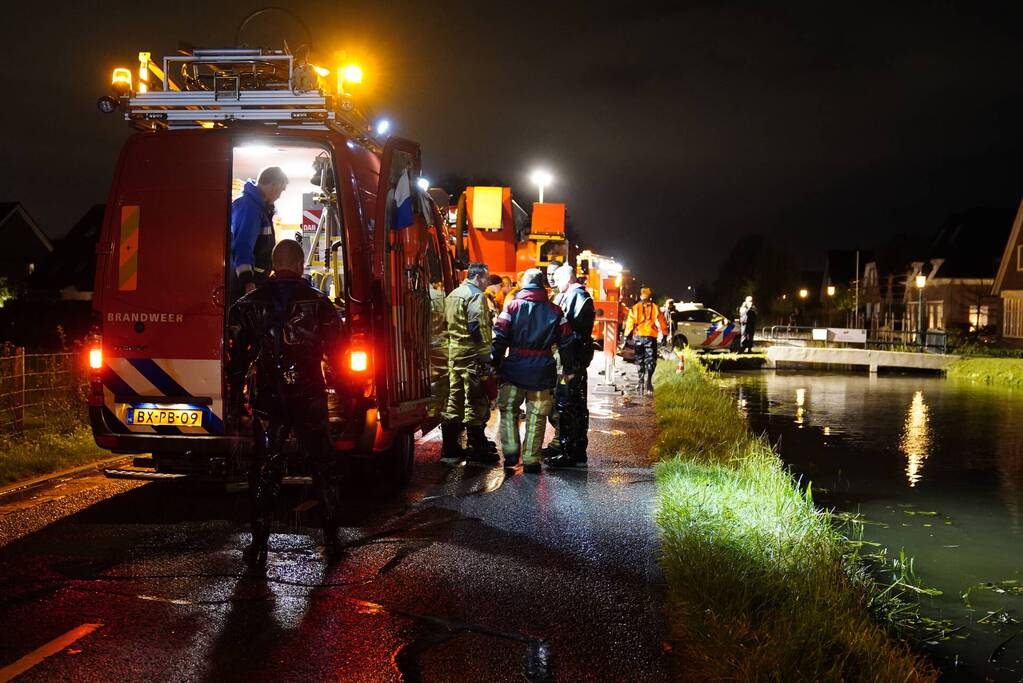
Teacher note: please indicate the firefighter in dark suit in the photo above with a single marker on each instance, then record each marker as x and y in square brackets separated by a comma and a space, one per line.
[282, 337]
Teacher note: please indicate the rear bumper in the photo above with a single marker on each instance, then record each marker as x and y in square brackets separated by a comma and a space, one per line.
[110, 434]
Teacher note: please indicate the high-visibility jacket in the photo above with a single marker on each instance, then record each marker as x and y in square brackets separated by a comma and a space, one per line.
[470, 324]
[646, 320]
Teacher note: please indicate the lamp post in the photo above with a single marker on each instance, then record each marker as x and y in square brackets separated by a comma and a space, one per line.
[831, 293]
[921, 281]
[541, 178]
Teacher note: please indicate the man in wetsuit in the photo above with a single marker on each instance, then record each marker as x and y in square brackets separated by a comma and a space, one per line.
[281, 335]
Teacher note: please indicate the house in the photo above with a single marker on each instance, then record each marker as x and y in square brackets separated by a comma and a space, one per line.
[25, 244]
[840, 284]
[882, 293]
[960, 270]
[68, 273]
[1008, 284]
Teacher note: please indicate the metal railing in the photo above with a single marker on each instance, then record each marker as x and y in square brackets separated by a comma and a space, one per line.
[41, 390]
[935, 341]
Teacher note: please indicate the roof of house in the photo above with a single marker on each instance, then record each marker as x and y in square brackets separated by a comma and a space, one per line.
[840, 266]
[30, 243]
[73, 261]
[1007, 255]
[971, 243]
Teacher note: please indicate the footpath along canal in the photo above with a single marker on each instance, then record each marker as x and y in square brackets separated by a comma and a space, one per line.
[934, 467]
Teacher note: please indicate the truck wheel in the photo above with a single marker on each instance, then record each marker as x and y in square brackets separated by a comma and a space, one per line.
[396, 463]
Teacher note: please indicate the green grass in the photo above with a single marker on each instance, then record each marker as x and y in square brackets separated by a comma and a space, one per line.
[762, 584]
[42, 452]
[999, 371]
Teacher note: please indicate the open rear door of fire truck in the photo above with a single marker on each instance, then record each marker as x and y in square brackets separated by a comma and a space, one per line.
[402, 323]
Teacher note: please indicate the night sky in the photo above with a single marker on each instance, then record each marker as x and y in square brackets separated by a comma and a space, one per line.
[671, 128]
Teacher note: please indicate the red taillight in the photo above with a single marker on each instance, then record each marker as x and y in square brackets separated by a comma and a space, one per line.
[358, 361]
[96, 358]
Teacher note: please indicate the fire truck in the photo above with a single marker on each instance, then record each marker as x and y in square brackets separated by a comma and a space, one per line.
[207, 120]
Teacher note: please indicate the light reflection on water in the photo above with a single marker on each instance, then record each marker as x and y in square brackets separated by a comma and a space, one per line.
[935, 467]
[916, 438]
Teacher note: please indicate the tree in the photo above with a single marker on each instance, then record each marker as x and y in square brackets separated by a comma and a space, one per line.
[756, 267]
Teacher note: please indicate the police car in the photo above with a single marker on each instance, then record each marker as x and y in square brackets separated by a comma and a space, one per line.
[703, 328]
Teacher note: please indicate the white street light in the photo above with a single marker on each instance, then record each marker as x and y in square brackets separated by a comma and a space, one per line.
[423, 183]
[541, 178]
[383, 127]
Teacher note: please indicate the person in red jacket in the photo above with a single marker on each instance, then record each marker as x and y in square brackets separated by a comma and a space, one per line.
[525, 331]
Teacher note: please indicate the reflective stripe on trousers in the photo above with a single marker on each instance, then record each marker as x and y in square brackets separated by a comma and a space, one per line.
[538, 407]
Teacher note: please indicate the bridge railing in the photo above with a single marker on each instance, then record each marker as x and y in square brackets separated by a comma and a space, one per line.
[935, 341]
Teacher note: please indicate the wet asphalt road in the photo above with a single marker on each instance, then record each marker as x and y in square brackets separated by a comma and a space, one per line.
[469, 575]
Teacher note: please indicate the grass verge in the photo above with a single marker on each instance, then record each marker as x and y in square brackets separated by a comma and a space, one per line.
[997, 371]
[763, 585]
[23, 457]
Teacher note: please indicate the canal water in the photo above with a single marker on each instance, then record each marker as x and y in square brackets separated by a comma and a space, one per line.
[934, 467]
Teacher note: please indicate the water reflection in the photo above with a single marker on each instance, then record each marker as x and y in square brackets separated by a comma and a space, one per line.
[800, 403]
[916, 438]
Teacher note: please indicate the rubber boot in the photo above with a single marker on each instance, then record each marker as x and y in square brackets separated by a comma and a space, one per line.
[451, 450]
[255, 554]
[481, 449]
[329, 494]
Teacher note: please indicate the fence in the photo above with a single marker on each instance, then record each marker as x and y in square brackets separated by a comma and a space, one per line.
[41, 391]
[900, 340]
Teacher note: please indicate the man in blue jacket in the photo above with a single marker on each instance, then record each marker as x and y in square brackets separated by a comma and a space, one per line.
[252, 230]
[524, 334]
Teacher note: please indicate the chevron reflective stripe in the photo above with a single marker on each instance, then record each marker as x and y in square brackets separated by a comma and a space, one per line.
[155, 377]
[128, 249]
[728, 335]
[712, 335]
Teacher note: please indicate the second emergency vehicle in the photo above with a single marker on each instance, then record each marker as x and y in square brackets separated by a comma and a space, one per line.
[702, 328]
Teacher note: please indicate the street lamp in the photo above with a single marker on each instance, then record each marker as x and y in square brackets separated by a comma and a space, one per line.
[541, 178]
[831, 293]
[921, 281]
[803, 293]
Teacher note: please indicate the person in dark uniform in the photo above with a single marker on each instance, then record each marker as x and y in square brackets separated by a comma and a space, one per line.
[281, 337]
[570, 394]
[252, 230]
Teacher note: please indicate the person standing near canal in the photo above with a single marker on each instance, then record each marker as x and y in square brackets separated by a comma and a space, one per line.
[285, 330]
[469, 336]
[748, 323]
[527, 330]
[647, 322]
[573, 416]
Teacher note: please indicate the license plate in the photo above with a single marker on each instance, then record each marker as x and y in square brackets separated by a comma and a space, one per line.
[165, 417]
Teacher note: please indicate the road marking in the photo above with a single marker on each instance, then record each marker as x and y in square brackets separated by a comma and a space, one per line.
[39, 654]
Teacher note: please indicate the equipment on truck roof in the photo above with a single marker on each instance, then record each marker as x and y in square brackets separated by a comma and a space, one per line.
[214, 87]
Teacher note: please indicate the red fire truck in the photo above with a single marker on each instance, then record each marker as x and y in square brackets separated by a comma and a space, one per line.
[207, 121]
